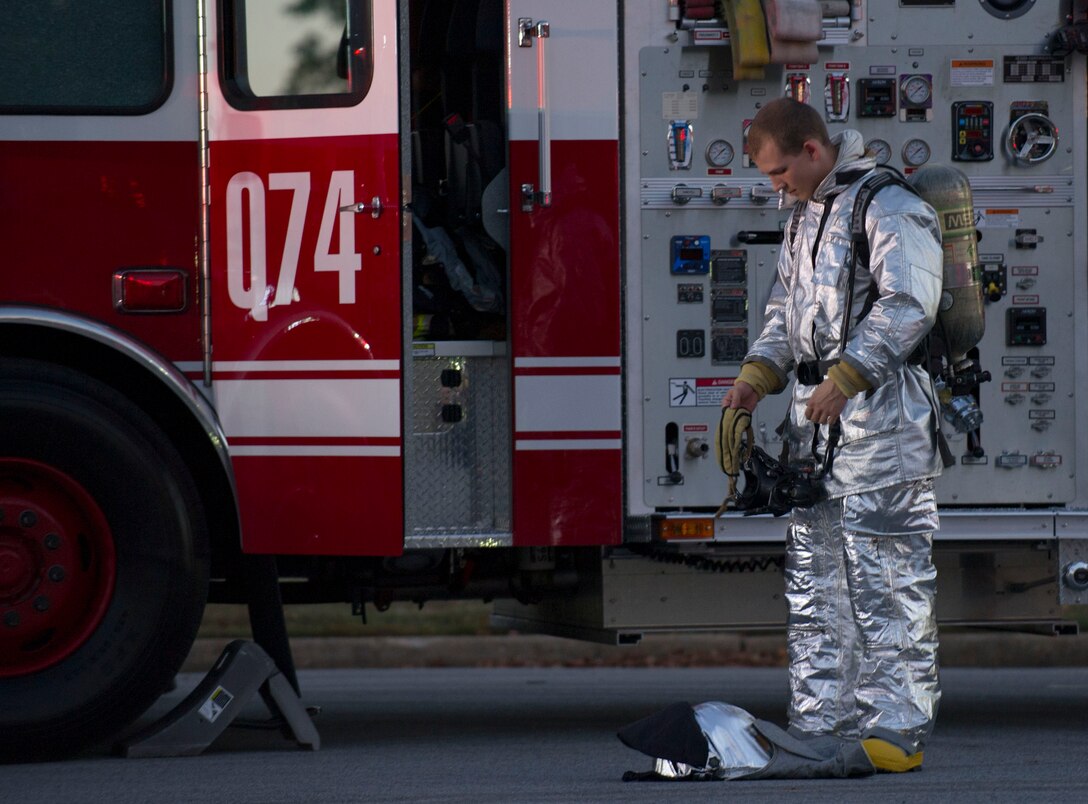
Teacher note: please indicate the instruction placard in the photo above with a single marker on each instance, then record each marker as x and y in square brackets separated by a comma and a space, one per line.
[972, 73]
[679, 106]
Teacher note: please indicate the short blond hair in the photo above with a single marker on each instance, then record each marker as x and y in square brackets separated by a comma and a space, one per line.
[788, 124]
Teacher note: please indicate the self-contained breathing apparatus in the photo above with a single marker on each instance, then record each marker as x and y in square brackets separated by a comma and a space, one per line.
[777, 486]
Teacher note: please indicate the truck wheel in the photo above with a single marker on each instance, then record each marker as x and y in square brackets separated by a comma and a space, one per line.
[103, 560]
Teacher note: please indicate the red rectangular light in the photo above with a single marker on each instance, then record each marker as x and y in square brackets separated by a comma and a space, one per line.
[150, 290]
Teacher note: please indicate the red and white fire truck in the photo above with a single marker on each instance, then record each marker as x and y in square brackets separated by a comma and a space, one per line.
[439, 298]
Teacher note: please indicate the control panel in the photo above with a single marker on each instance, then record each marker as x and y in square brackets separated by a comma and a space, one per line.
[972, 131]
[950, 84]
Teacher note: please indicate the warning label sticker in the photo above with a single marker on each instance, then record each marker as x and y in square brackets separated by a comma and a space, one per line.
[213, 707]
[703, 392]
[997, 218]
[972, 73]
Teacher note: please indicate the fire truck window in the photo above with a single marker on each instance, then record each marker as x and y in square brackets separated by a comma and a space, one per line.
[287, 54]
[81, 57]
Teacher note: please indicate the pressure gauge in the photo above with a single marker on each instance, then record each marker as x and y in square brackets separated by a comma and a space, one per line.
[916, 152]
[916, 89]
[719, 153]
[879, 150]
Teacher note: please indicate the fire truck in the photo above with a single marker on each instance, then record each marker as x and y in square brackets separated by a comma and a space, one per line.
[367, 301]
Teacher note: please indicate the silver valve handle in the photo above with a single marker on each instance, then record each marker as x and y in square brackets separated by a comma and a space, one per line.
[1032, 138]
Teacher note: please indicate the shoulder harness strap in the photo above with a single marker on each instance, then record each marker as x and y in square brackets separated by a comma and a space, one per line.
[859, 250]
[794, 224]
[869, 188]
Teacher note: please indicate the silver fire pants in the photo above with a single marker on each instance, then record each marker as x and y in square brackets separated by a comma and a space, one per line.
[862, 634]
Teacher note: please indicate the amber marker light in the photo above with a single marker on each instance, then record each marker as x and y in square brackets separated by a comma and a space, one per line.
[686, 528]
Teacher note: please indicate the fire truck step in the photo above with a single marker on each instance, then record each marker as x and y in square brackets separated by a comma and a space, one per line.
[240, 672]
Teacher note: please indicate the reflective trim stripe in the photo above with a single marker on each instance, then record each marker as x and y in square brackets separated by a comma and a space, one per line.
[562, 403]
[314, 450]
[568, 444]
[566, 362]
[309, 407]
[304, 365]
[568, 435]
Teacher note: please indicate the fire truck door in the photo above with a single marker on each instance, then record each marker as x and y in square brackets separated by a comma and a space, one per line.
[564, 270]
[305, 230]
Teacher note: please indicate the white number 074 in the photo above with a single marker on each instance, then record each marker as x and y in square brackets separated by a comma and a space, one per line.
[257, 295]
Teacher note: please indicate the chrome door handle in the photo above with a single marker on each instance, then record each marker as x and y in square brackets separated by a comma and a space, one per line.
[541, 194]
[374, 207]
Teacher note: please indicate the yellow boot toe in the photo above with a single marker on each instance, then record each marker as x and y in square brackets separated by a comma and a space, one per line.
[890, 758]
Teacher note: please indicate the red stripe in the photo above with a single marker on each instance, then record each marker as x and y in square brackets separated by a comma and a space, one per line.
[322, 441]
[550, 435]
[562, 371]
[387, 374]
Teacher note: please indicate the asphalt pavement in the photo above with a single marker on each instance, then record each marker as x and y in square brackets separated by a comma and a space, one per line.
[548, 734]
[959, 648]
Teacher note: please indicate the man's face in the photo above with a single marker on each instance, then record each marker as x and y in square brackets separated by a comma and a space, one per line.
[799, 174]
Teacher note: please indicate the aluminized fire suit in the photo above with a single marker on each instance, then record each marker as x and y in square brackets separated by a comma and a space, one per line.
[860, 581]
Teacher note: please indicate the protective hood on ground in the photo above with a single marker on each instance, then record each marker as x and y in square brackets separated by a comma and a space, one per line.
[716, 741]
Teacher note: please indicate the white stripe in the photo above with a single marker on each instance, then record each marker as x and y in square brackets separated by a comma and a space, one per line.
[568, 444]
[552, 403]
[567, 362]
[316, 451]
[306, 365]
[309, 408]
[189, 366]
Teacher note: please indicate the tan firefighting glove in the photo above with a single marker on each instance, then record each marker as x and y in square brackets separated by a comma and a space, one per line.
[848, 379]
[733, 444]
[734, 437]
[736, 422]
[761, 377]
[728, 441]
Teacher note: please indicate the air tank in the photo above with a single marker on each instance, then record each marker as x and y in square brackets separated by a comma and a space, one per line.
[961, 321]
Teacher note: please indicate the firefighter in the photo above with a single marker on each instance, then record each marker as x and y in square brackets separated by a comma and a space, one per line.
[860, 580]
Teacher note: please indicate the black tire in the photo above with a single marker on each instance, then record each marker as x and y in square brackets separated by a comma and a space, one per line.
[60, 424]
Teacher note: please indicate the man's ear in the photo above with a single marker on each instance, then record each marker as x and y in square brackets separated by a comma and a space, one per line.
[812, 149]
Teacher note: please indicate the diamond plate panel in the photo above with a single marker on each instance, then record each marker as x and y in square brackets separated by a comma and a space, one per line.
[457, 484]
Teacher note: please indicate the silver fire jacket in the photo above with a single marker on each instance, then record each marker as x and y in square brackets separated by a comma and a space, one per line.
[888, 434]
